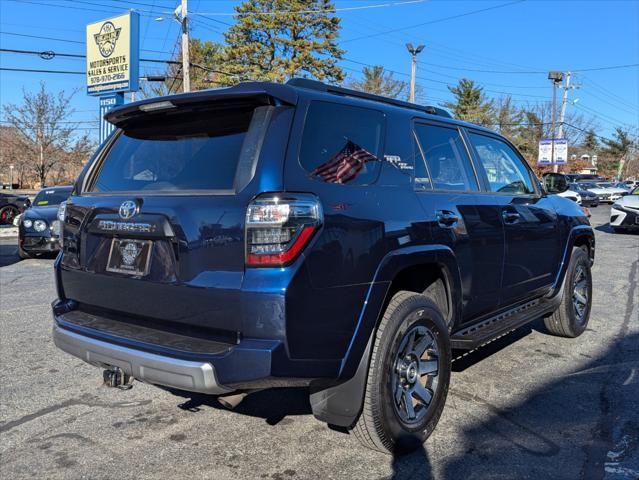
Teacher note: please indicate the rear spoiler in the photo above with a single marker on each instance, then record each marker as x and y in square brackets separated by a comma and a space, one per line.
[262, 93]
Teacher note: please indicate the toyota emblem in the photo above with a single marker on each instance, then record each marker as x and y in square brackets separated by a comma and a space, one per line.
[128, 209]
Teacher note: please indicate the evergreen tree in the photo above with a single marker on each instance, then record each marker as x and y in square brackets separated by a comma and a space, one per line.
[205, 58]
[618, 146]
[617, 150]
[471, 104]
[528, 136]
[508, 118]
[590, 143]
[378, 82]
[276, 40]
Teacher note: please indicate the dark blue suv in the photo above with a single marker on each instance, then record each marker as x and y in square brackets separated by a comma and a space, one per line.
[271, 235]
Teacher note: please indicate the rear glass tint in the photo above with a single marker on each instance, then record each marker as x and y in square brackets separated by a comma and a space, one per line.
[342, 144]
[182, 151]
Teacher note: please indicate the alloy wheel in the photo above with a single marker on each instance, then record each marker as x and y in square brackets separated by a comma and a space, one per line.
[580, 293]
[415, 374]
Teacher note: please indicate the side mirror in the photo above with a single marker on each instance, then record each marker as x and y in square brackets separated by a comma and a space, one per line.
[555, 182]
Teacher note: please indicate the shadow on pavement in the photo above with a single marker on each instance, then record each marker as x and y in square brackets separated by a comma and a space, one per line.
[533, 438]
[606, 228]
[8, 253]
[273, 404]
[578, 412]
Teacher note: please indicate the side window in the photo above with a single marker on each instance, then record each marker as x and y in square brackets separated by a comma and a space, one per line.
[342, 144]
[445, 156]
[505, 171]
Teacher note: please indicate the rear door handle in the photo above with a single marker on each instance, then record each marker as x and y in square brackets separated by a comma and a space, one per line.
[446, 219]
[510, 216]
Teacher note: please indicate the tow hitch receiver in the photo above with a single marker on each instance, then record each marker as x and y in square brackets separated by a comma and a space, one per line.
[115, 377]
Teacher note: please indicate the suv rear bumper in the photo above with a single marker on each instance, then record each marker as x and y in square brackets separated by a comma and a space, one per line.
[185, 363]
[193, 376]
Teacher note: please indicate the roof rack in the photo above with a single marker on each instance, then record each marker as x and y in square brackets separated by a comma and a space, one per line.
[322, 87]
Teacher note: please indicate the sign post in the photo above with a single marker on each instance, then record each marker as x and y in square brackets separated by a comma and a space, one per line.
[112, 62]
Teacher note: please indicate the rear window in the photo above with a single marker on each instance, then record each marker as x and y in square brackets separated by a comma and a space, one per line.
[342, 144]
[182, 151]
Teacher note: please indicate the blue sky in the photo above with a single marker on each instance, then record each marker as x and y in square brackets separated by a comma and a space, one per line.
[496, 47]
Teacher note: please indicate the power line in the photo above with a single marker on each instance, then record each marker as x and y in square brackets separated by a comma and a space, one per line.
[303, 12]
[409, 27]
[54, 39]
[51, 54]
[611, 67]
[35, 70]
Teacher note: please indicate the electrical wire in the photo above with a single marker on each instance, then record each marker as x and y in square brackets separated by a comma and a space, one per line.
[304, 12]
[430, 22]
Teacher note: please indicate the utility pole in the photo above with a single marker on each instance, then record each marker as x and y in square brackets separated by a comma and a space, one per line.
[556, 78]
[184, 21]
[413, 68]
[564, 102]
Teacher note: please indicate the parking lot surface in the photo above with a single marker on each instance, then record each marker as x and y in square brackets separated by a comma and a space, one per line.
[528, 405]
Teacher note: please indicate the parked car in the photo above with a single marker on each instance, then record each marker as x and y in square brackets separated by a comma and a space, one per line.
[624, 213]
[606, 191]
[12, 205]
[38, 226]
[270, 235]
[581, 197]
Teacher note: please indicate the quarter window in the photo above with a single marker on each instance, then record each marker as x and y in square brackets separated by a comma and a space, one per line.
[342, 144]
[445, 155]
[505, 171]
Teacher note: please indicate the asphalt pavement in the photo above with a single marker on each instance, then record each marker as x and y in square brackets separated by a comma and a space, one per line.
[529, 405]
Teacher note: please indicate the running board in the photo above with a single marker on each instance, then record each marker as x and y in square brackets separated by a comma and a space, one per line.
[487, 330]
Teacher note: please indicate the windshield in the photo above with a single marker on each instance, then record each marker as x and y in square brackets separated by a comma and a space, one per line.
[605, 185]
[188, 151]
[51, 197]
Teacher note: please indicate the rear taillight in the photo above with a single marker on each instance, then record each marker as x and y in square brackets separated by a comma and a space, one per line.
[279, 226]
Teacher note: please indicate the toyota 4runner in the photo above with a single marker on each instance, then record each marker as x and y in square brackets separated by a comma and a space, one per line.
[272, 235]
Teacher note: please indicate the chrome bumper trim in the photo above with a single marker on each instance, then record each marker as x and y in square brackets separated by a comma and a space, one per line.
[146, 367]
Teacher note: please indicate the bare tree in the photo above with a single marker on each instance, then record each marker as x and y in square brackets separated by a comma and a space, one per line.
[43, 126]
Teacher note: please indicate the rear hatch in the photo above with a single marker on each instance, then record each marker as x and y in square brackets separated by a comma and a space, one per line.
[158, 232]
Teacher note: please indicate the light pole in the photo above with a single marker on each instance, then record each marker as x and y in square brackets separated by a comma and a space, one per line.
[413, 68]
[556, 78]
[10, 177]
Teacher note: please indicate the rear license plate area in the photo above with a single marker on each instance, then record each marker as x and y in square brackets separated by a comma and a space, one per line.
[130, 257]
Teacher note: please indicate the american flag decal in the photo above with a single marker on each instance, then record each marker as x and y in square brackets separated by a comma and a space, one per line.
[345, 165]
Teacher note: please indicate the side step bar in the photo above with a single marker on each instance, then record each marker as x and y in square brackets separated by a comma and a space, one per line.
[486, 330]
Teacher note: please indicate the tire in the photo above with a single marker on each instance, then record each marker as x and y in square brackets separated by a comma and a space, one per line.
[7, 214]
[566, 321]
[23, 255]
[411, 321]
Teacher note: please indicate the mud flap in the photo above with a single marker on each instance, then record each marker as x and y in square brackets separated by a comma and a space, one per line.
[341, 404]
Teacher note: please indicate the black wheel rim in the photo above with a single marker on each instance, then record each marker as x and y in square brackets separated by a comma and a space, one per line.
[580, 293]
[415, 374]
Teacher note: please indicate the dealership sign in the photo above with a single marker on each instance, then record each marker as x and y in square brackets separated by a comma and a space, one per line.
[113, 55]
[553, 156]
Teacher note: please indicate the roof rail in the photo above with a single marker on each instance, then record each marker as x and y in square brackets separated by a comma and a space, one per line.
[322, 87]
